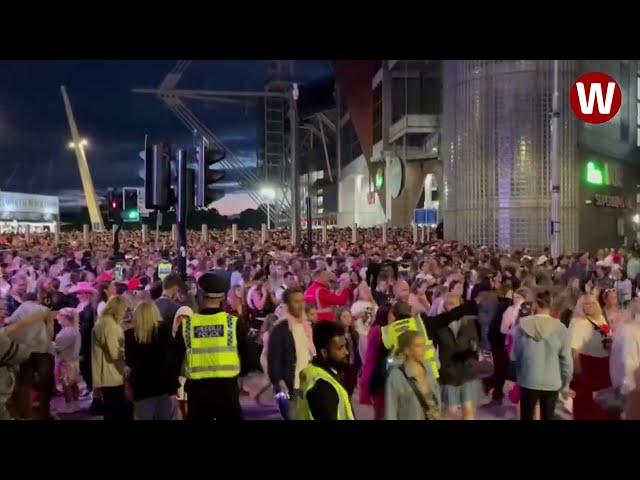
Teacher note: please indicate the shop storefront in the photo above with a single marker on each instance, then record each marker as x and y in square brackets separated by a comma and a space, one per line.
[609, 190]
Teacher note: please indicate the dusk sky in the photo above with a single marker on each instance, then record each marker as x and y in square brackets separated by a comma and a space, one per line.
[34, 133]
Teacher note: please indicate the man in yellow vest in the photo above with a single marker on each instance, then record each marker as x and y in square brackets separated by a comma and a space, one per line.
[323, 395]
[403, 321]
[213, 348]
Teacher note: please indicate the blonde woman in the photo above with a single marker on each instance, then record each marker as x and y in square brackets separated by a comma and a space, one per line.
[590, 338]
[107, 359]
[411, 390]
[148, 354]
[67, 350]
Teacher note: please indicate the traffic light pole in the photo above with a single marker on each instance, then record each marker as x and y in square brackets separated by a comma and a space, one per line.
[295, 177]
[290, 97]
[182, 213]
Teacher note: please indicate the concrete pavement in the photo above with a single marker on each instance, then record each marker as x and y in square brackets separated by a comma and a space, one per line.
[268, 409]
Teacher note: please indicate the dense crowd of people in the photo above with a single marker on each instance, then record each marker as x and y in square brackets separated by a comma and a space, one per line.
[418, 331]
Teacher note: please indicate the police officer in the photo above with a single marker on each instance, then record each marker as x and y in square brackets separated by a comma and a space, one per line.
[213, 348]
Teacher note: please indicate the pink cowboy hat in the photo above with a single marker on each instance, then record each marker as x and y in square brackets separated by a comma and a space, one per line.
[83, 287]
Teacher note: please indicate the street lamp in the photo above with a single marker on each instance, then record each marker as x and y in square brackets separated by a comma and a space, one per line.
[83, 143]
[636, 218]
[270, 194]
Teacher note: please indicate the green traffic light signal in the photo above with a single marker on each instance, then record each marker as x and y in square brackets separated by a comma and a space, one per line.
[132, 215]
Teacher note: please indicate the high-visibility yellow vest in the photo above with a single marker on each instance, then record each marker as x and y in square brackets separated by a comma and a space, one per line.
[164, 269]
[392, 332]
[309, 377]
[212, 346]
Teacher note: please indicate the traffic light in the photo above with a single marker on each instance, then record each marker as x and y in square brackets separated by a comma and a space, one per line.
[114, 206]
[131, 212]
[206, 191]
[157, 174]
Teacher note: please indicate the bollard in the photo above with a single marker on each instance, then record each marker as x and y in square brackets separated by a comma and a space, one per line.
[384, 233]
[354, 233]
[234, 232]
[324, 232]
[56, 233]
[204, 236]
[174, 233]
[415, 233]
[263, 235]
[145, 233]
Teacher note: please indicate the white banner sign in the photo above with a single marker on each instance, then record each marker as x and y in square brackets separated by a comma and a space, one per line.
[17, 203]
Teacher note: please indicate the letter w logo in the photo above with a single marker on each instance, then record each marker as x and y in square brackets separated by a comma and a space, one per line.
[595, 94]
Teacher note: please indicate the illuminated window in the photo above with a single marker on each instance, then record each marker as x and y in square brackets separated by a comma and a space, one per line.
[594, 174]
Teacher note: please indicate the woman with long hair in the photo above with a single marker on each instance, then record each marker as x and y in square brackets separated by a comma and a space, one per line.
[350, 373]
[411, 391]
[106, 290]
[590, 337]
[67, 349]
[147, 348]
[457, 344]
[373, 369]
[611, 310]
[363, 311]
[107, 359]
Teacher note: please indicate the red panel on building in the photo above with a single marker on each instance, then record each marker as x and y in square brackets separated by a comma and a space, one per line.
[354, 78]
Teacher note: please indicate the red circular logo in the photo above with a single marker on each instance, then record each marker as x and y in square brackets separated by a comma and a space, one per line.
[595, 97]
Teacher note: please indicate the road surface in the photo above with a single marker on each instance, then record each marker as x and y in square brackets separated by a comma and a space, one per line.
[269, 411]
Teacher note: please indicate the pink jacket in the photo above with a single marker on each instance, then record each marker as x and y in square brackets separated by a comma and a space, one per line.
[374, 341]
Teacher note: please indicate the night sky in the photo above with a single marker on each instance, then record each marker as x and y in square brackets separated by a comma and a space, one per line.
[34, 133]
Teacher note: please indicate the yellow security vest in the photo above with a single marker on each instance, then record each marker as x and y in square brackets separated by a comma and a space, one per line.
[164, 269]
[212, 346]
[309, 377]
[392, 332]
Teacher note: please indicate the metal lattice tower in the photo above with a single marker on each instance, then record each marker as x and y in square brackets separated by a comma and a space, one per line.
[278, 174]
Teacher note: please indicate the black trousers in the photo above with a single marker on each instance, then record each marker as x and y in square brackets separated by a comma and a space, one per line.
[116, 406]
[530, 398]
[500, 364]
[213, 399]
[85, 371]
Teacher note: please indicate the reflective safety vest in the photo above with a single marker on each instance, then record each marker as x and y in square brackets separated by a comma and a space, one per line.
[164, 269]
[392, 332]
[212, 346]
[309, 376]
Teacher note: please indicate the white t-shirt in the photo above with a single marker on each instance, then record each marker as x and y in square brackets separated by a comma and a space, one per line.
[625, 357]
[302, 352]
[585, 339]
